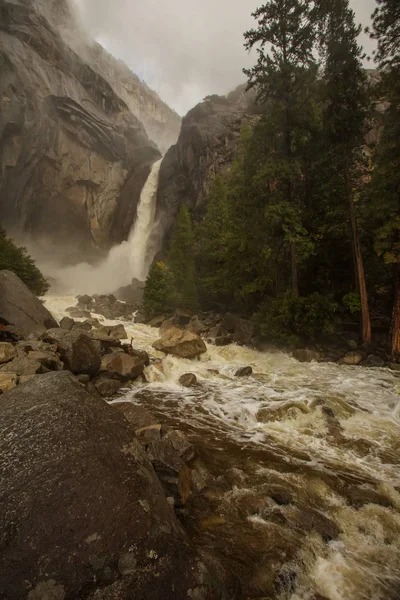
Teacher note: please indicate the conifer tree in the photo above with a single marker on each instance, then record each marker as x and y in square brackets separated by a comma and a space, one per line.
[16, 259]
[345, 114]
[284, 39]
[181, 262]
[157, 291]
[385, 185]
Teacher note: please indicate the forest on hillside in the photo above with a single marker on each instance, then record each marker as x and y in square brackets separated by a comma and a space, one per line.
[302, 236]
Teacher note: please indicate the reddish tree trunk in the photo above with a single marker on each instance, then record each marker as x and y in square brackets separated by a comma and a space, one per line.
[358, 260]
[395, 326]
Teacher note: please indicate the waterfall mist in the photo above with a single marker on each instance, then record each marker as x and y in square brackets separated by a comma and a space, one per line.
[130, 260]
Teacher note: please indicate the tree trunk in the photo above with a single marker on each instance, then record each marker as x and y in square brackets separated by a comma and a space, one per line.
[358, 260]
[295, 273]
[395, 326]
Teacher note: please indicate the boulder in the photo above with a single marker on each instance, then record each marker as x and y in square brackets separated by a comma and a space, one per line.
[8, 381]
[157, 321]
[21, 308]
[106, 386]
[123, 366]
[196, 326]
[188, 379]
[7, 352]
[103, 341]
[224, 340]
[352, 358]
[78, 351]
[84, 300]
[373, 361]
[183, 316]
[244, 372]
[22, 365]
[117, 332]
[180, 343]
[304, 355]
[243, 331]
[49, 360]
[217, 331]
[84, 506]
[78, 313]
[228, 322]
[168, 323]
[67, 323]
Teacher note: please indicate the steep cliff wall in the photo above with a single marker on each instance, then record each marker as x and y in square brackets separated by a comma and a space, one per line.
[207, 145]
[73, 156]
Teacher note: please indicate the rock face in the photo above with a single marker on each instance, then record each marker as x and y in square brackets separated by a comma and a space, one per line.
[180, 343]
[21, 308]
[83, 515]
[207, 145]
[73, 152]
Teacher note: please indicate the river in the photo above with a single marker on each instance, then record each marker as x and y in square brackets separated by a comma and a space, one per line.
[297, 480]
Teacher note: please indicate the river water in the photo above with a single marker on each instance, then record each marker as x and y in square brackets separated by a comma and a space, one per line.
[297, 480]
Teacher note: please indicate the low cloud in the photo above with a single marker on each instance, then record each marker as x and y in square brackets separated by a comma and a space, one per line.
[184, 49]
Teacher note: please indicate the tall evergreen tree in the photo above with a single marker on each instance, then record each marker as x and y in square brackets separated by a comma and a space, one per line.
[385, 185]
[181, 262]
[345, 115]
[285, 38]
[157, 292]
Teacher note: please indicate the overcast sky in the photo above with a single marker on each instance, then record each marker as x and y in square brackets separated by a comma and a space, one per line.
[183, 49]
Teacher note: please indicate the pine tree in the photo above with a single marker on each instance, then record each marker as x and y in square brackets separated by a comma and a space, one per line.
[385, 185]
[285, 68]
[157, 291]
[16, 259]
[181, 263]
[211, 236]
[345, 115]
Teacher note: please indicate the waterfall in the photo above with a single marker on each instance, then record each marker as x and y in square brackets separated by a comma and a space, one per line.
[131, 259]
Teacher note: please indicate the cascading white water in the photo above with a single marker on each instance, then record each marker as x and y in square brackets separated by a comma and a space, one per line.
[131, 259]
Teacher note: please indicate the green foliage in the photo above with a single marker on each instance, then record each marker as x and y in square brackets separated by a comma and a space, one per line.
[181, 263]
[352, 302]
[290, 319]
[386, 30]
[157, 290]
[16, 259]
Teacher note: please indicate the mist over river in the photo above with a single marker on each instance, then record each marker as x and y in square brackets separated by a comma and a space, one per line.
[296, 487]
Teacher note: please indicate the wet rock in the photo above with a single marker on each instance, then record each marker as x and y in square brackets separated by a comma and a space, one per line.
[117, 332]
[123, 366]
[373, 361]
[138, 416]
[310, 519]
[106, 386]
[183, 316]
[83, 378]
[213, 371]
[243, 331]
[22, 309]
[217, 331]
[78, 313]
[188, 379]
[103, 341]
[394, 366]
[84, 325]
[75, 452]
[305, 355]
[168, 323]
[8, 381]
[7, 352]
[228, 322]
[244, 372]
[77, 350]
[196, 326]
[361, 495]
[157, 321]
[22, 365]
[49, 360]
[150, 433]
[171, 470]
[352, 358]
[180, 343]
[67, 323]
[84, 300]
[224, 340]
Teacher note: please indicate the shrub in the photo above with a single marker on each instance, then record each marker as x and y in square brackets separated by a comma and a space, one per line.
[290, 319]
[157, 291]
[16, 259]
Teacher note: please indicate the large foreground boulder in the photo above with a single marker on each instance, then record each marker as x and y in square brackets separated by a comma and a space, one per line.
[21, 308]
[83, 514]
[184, 344]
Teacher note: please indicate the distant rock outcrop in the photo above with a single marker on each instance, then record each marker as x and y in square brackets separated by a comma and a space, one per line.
[207, 146]
[74, 155]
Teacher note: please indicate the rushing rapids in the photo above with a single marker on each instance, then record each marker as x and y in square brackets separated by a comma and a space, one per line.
[297, 480]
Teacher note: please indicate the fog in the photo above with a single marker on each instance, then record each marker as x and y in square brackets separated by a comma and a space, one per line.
[184, 49]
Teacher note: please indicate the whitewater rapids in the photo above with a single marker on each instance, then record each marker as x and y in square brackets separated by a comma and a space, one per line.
[315, 430]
